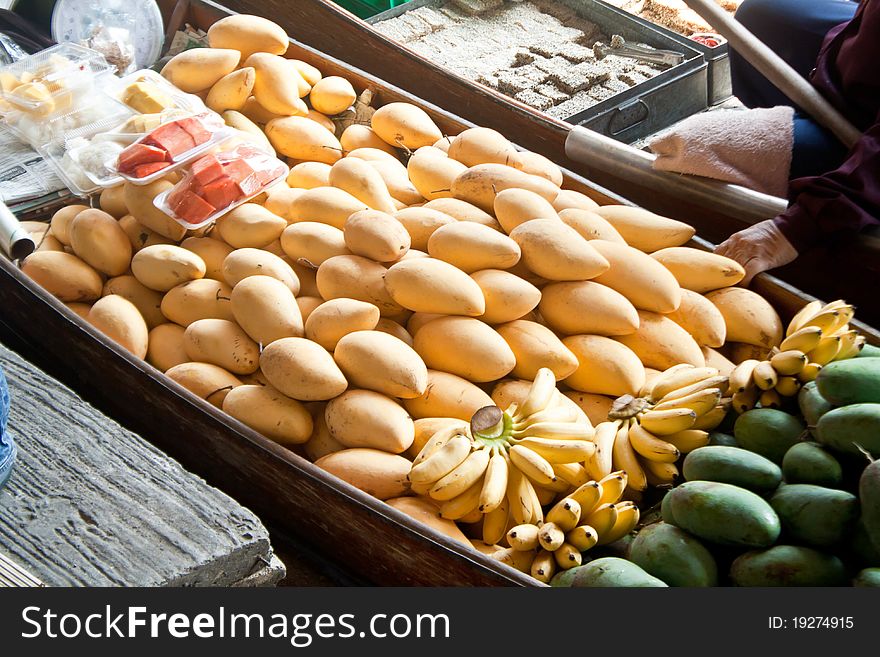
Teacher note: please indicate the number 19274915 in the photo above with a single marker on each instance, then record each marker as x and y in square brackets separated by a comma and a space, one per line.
[811, 623]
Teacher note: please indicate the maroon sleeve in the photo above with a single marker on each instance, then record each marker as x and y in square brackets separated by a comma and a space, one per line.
[836, 205]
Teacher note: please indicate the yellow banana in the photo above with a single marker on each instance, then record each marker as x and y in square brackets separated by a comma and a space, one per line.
[518, 499]
[745, 401]
[495, 524]
[539, 396]
[582, 537]
[523, 537]
[662, 423]
[438, 440]
[548, 495]
[494, 483]
[764, 375]
[474, 516]
[853, 350]
[803, 315]
[789, 363]
[650, 446]
[550, 537]
[521, 561]
[675, 379]
[532, 464]
[826, 320]
[559, 450]
[711, 419]
[558, 430]
[567, 556]
[543, 567]
[688, 440]
[602, 519]
[849, 345]
[661, 474]
[574, 474]
[553, 414]
[626, 521]
[788, 386]
[845, 313]
[700, 402]
[462, 505]
[809, 373]
[716, 381]
[741, 379]
[536, 515]
[600, 463]
[826, 351]
[623, 457]
[469, 472]
[803, 340]
[612, 487]
[565, 514]
[443, 461]
[770, 399]
[587, 496]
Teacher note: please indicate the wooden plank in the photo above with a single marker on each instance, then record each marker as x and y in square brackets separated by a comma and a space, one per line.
[92, 504]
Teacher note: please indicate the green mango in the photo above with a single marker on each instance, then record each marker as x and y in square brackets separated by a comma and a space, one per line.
[564, 578]
[666, 509]
[611, 571]
[732, 465]
[862, 547]
[722, 513]
[815, 515]
[812, 405]
[787, 565]
[673, 556]
[869, 495]
[718, 438]
[848, 427]
[869, 351]
[851, 381]
[868, 577]
[811, 463]
[768, 432]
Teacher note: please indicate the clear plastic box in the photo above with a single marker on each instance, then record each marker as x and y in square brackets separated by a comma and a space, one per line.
[180, 100]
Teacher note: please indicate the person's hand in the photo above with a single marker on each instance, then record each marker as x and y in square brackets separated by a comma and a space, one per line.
[758, 248]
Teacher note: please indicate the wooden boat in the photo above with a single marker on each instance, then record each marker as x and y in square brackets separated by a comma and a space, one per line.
[715, 209]
[374, 541]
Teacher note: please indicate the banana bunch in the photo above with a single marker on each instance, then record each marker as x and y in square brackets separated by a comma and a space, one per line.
[646, 435]
[503, 468]
[591, 515]
[817, 335]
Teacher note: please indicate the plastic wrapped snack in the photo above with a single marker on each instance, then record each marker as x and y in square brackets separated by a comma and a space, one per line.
[218, 182]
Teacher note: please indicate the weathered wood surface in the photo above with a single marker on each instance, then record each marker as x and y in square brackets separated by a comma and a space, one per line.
[92, 504]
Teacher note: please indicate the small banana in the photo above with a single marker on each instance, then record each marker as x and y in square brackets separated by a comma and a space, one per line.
[688, 440]
[650, 447]
[438, 440]
[826, 351]
[600, 463]
[662, 423]
[661, 474]
[582, 537]
[548, 495]
[713, 418]
[770, 399]
[745, 401]
[494, 483]
[715, 381]
[850, 345]
[806, 339]
[523, 537]
[550, 537]
[559, 450]
[567, 556]
[626, 521]
[543, 567]
[623, 457]
[537, 512]
[845, 314]
[809, 373]
[676, 379]
[827, 320]
[803, 315]
[565, 514]
[700, 402]
[741, 379]
[587, 496]
[518, 499]
[788, 386]
[462, 505]
[574, 474]
[789, 363]
[443, 461]
[765, 375]
[532, 464]
[602, 519]
[612, 487]
[539, 396]
[558, 430]
[495, 523]
[465, 475]
[521, 561]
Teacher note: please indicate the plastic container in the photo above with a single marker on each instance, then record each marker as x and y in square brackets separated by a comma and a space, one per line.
[38, 131]
[210, 121]
[53, 80]
[180, 100]
[266, 170]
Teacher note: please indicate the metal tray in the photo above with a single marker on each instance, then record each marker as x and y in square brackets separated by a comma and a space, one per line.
[645, 108]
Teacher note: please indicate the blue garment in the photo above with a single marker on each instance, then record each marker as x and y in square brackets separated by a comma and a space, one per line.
[794, 30]
[7, 447]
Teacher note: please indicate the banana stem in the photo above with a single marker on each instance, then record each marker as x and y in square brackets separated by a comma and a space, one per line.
[492, 427]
